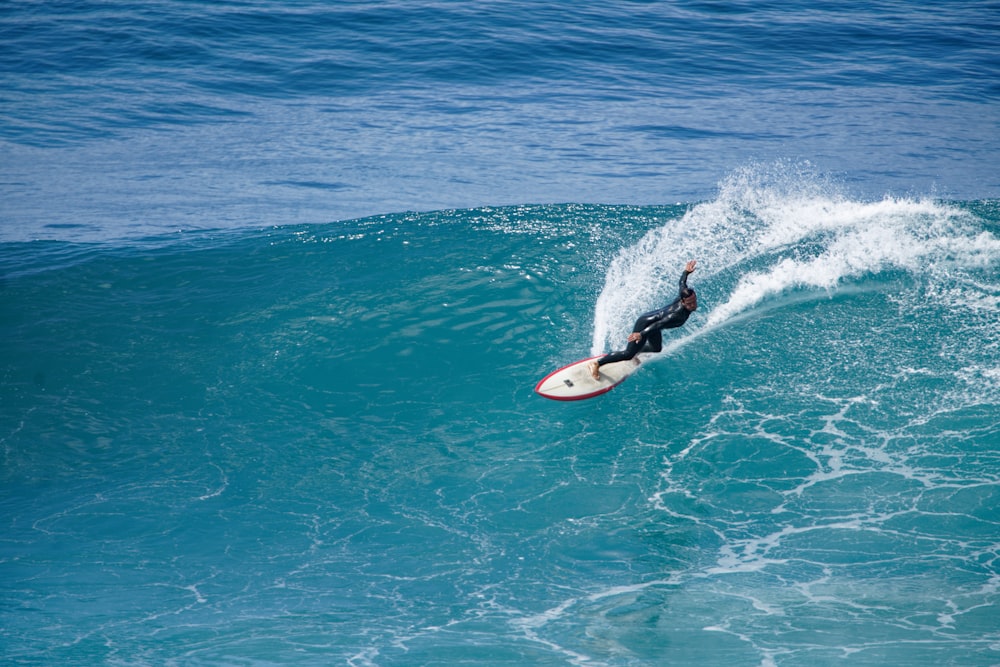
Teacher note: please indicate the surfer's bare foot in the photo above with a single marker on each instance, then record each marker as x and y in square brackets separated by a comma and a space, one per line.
[595, 370]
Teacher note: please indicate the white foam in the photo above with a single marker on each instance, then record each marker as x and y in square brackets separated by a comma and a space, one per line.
[773, 230]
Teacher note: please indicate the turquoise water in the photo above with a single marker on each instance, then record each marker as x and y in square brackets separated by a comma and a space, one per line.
[277, 281]
[320, 444]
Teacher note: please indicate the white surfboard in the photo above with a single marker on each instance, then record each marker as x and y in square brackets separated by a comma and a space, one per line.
[575, 383]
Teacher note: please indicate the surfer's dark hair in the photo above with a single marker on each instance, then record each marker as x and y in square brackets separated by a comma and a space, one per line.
[689, 299]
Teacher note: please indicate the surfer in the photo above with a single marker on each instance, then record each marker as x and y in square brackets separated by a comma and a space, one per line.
[646, 336]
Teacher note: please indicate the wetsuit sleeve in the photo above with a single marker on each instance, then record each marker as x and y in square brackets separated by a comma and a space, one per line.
[658, 323]
[652, 327]
[683, 283]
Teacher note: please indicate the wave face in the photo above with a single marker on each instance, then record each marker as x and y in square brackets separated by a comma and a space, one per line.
[320, 444]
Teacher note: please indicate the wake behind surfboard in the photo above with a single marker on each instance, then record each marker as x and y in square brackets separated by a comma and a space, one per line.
[575, 383]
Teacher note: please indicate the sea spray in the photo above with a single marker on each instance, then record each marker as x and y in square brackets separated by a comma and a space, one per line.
[770, 232]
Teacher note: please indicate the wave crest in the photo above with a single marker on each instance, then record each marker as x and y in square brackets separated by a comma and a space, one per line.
[777, 228]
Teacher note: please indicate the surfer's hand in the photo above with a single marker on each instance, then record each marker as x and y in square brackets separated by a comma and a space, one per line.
[690, 266]
[634, 337]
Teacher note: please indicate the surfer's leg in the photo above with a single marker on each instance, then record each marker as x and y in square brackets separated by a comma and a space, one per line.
[654, 341]
[622, 355]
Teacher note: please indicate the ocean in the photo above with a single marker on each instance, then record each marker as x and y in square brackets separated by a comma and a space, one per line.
[277, 280]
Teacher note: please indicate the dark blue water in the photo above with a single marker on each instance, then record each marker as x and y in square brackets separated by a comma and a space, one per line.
[127, 119]
[277, 280]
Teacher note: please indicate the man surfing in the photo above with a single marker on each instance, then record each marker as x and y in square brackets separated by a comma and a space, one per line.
[646, 336]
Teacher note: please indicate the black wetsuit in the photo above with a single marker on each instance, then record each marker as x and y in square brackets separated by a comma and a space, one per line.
[650, 325]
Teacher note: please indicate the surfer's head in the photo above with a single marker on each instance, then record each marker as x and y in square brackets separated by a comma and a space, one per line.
[689, 300]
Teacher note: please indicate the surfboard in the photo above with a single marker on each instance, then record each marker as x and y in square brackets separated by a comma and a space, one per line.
[575, 383]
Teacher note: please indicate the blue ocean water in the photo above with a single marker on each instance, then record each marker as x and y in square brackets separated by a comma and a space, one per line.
[277, 280]
[134, 118]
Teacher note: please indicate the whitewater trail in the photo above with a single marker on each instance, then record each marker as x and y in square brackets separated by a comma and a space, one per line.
[772, 232]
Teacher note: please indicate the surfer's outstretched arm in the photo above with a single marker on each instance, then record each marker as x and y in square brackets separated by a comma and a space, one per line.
[688, 269]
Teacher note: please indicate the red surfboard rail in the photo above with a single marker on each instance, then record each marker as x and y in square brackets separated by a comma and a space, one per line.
[574, 382]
